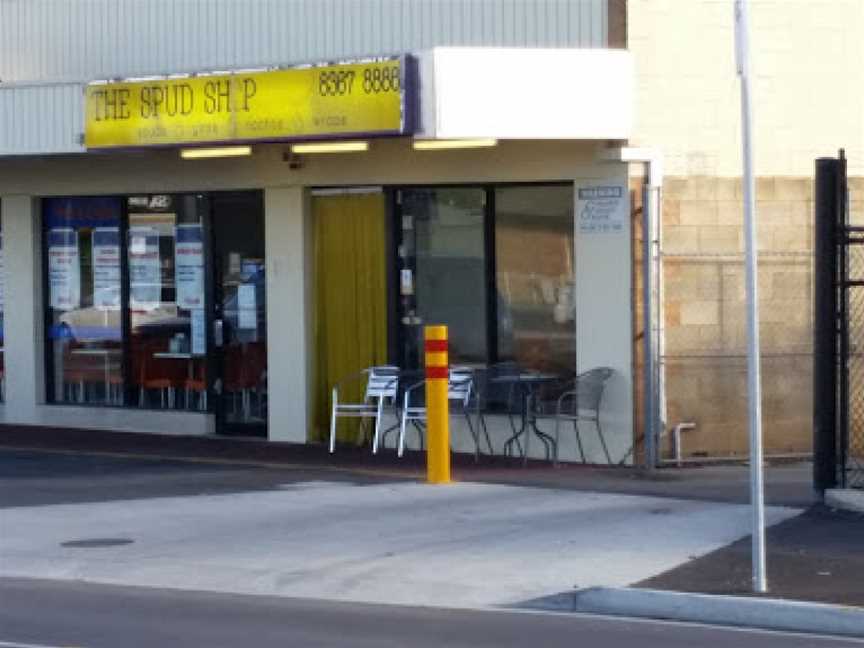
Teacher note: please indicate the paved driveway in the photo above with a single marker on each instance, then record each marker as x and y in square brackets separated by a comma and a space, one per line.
[462, 545]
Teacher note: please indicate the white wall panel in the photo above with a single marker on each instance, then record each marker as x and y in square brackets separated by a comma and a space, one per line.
[78, 40]
[38, 119]
[509, 93]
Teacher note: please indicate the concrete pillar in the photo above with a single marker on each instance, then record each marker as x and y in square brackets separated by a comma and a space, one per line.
[604, 263]
[289, 331]
[24, 334]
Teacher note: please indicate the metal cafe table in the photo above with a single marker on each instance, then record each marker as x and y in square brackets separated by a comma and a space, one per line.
[526, 383]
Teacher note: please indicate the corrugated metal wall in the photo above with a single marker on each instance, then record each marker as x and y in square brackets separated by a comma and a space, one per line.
[41, 119]
[49, 40]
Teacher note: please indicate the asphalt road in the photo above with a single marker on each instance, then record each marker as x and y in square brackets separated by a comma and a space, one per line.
[53, 614]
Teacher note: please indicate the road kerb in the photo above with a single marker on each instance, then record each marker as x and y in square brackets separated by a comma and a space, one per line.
[845, 499]
[738, 611]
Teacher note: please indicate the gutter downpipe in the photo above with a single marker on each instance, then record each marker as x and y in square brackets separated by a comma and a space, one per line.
[654, 384]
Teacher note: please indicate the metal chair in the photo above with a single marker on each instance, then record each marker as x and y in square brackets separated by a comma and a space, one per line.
[499, 395]
[582, 403]
[382, 384]
[542, 403]
[460, 391]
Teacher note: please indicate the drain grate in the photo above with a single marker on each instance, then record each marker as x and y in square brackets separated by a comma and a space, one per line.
[94, 543]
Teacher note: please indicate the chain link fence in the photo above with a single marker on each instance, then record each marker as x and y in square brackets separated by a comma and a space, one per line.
[703, 358]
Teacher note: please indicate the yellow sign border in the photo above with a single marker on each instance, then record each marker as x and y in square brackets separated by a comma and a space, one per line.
[363, 98]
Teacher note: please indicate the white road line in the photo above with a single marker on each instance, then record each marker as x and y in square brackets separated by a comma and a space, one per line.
[12, 644]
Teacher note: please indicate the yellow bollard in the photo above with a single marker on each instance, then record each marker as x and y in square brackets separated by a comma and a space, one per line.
[437, 406]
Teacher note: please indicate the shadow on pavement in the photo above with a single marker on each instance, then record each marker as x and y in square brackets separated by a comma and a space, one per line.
[817, 556]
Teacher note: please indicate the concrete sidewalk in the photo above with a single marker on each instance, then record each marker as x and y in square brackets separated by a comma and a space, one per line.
[463, 545]
[787, 484]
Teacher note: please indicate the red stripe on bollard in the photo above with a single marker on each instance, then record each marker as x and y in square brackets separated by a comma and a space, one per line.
[433, 346]
[437, 372]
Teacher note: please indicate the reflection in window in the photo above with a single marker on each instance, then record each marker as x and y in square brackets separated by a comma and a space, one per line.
[2, 308]
[535, 275]
[82, 240]
[166, 301]
[443, 269]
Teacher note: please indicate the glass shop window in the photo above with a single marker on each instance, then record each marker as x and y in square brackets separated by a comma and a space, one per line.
[534, 253]
[167, 344]
[82, 251]
[2, 309]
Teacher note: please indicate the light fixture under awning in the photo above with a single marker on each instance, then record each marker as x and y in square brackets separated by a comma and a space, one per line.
[330, 147]
[215, 152]
[443, 144]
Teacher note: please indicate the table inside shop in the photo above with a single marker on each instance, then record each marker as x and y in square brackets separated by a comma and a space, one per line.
[527, 383]
[175, 355]
[106, 354]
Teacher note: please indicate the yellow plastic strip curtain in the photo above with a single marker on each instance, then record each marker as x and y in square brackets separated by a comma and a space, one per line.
[350, 299]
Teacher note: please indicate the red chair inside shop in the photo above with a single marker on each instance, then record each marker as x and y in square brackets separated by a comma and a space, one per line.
[197, 384]
[256, 366]
[165, 375]
[81, 372]
[256, 361]
[116, 382]
[245, 366]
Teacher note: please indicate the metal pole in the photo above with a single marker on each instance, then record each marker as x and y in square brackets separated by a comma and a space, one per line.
[841, 223]
[825, 340]
[754, 386]
[648, 333]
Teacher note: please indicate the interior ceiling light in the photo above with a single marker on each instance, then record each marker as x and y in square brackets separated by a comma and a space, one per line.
[330, 147]
[216, 152]
[442, 144]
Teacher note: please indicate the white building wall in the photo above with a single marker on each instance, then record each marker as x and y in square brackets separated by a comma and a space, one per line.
[808, 84]
[78, 40]
[23, 331]
[604, 304]
[289, 340]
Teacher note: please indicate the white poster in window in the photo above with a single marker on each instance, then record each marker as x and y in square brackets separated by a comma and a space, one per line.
[145, 272]
[106, 268]
[601, 209]
[2, 274]
[189, 266]
[64, 269]
[199, 339]
[246, 307]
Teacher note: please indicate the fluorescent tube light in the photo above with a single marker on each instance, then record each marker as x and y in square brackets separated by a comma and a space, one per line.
[330, 147]
[442, 144]
[216, 152]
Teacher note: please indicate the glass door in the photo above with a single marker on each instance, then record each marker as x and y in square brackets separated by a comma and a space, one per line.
[239, 319]
[442, 271]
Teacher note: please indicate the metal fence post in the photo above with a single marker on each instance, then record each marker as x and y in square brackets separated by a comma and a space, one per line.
[825, 326]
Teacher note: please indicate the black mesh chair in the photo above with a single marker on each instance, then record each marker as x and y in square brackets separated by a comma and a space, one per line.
[582, 403]
[497, 395]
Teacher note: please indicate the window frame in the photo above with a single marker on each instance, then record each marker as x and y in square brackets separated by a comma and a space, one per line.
[125, 289]
[394, 213]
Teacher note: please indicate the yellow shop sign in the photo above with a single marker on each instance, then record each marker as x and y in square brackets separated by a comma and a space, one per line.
[318, 102]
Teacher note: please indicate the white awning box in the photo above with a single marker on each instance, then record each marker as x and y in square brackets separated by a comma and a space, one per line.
[509, 93]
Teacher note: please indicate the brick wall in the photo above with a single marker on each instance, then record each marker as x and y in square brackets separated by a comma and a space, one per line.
[704, 302]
